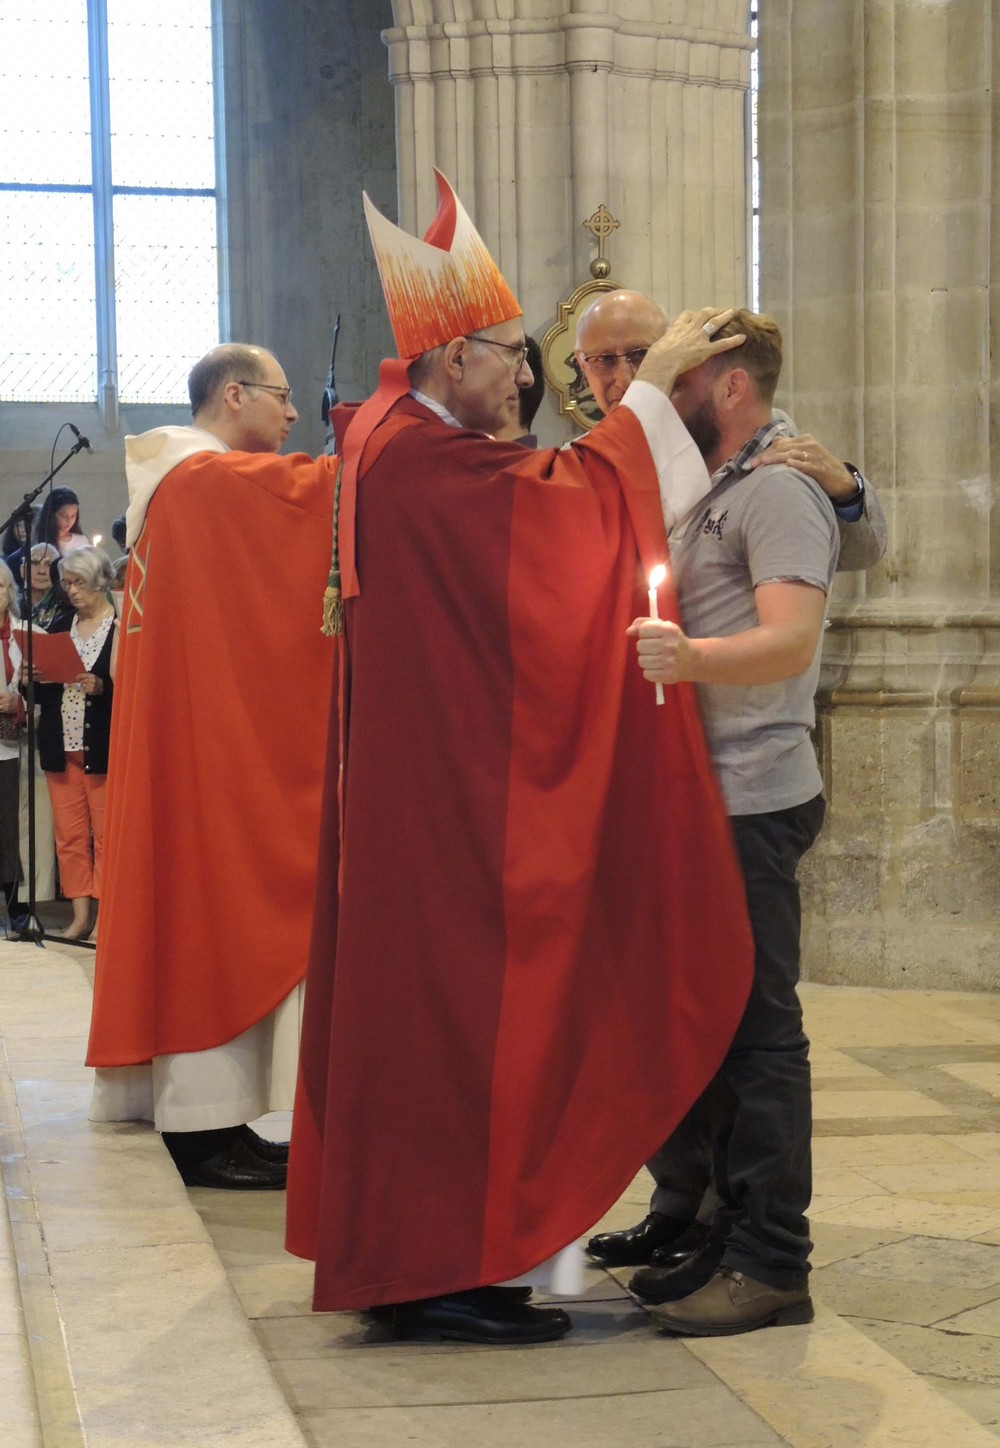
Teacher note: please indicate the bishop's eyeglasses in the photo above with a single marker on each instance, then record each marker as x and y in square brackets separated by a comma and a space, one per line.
[517, 352]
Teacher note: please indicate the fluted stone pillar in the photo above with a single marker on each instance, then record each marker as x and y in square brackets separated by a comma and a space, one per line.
[540, 112]
[881, 260]
[307, 119]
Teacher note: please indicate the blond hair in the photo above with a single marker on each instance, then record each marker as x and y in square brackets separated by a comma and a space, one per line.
[760, 355]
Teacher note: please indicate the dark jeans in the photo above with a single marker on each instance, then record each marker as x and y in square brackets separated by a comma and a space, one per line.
[760, 1101]
[683, 1167]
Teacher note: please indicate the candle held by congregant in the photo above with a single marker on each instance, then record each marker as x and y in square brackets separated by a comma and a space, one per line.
[657, 576]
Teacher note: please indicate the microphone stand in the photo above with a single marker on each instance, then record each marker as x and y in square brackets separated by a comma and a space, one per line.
[33, 928]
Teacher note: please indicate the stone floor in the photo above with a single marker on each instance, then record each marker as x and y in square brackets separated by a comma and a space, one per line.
[134, 1314]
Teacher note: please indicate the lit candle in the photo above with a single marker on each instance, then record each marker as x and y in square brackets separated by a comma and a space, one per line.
[97, 538]
[657, 576]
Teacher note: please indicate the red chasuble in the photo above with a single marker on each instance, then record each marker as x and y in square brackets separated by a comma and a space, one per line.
[539, 952]
[217, 747]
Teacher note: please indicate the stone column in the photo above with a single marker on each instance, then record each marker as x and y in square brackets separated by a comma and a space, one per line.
[539, 113]
[881, 260]
[307, 122]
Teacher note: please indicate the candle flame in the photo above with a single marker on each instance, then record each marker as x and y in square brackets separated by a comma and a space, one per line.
[98, 538]
[657, 576]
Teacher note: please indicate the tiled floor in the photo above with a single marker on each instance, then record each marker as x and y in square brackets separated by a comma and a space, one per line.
[118, 1326]
[125, 1324]
[905, 1220]
[908, 1206]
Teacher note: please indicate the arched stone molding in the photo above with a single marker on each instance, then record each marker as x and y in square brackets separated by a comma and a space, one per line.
[881, 260]
[538, 113]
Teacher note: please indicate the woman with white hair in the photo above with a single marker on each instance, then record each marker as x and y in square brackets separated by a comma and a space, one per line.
[74, 730]
[11, 718]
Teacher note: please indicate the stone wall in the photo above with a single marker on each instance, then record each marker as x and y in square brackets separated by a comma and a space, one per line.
[309, 125]
[538, 112]
[880, 258]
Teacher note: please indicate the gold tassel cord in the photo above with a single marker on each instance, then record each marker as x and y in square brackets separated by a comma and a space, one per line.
[333, 604]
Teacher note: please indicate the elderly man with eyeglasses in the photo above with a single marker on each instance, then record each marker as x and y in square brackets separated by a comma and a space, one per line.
[214, 784]
[614, 335]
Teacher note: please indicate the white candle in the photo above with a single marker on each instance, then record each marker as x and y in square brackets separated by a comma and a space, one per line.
[657, 576]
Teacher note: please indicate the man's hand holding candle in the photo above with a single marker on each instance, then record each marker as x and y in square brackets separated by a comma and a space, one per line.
[666, 654]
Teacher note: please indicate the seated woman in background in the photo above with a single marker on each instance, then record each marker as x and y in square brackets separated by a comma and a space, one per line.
[11, 716]
[120, 569]
[121, 565]
[58, 522]
[13, 538]
[13, 544]
[74, 729]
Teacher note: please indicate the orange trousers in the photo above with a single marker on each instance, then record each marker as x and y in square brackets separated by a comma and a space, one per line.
[78, 822]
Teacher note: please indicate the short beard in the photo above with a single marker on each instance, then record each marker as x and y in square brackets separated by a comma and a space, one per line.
[702, 426]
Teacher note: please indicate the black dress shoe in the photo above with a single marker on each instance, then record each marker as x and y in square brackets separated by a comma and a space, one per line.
[637, 1244]
[235, 1168]
[670, 1284]
[479, 1316]
[691, 1240]
[509, 1294]
[503, 1294]
[273, 1151]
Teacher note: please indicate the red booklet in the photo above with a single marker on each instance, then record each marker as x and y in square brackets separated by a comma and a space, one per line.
[54, 655]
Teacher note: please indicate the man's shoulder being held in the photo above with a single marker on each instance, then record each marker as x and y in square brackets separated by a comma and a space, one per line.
[774, 521]
[778, 489]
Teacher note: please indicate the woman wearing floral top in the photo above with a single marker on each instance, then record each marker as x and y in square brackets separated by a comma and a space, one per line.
[48, 600]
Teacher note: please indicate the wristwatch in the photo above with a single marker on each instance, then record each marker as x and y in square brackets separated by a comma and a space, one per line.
[859, 492]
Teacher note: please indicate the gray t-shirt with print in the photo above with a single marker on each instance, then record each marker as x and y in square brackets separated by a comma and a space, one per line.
[769, 526]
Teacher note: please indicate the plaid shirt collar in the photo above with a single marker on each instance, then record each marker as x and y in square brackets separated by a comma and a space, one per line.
[740, 462]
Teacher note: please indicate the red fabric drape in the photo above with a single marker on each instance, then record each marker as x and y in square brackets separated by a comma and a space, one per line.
[217, 745]
[539, 951]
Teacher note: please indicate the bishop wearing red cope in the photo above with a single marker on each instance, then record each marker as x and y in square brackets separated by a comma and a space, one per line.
[530, 949]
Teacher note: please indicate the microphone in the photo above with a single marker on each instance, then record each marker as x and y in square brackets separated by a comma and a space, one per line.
[83, 441]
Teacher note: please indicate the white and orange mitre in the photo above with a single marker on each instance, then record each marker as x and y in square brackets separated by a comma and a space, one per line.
[446, 285]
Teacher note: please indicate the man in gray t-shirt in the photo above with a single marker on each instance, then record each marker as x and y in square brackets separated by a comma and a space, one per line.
[752, 565]
[754, 530]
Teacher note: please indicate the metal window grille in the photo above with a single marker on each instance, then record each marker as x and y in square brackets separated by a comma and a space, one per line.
[109, 280]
